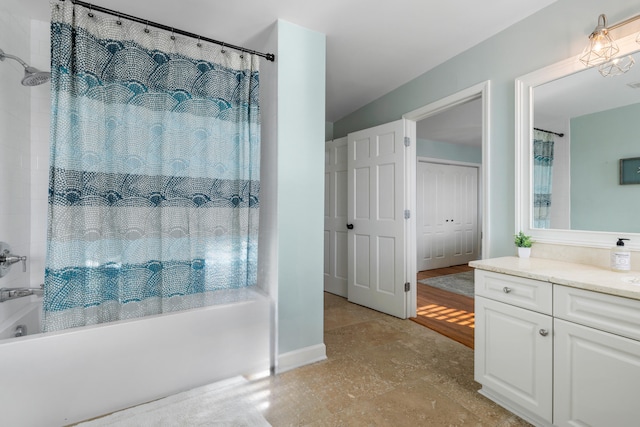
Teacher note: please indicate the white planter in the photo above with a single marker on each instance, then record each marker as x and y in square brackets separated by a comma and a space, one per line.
[524, 252]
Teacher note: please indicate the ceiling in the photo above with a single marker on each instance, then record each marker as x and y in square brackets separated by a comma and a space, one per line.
[373, 47]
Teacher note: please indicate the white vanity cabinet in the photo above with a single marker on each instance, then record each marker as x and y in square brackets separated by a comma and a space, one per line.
[514, 344]
[596, 359]
[557, 355]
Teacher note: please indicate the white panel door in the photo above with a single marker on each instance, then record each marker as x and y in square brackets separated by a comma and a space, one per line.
[335, 217]
[447, 216]
[376, 204]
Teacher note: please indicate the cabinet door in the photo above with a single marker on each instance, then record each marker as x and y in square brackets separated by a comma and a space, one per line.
[596, 379]
[513, 356]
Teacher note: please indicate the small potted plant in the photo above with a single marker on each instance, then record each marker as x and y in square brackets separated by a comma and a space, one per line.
[523, 242]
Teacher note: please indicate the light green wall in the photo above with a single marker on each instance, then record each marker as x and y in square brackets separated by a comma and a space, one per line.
[300, 218]
[553, 34]
[598, 142]
[447, 151]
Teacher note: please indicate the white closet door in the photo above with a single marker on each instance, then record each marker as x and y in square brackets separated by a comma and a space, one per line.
[447, 216]
[376, 205]
[335, 217]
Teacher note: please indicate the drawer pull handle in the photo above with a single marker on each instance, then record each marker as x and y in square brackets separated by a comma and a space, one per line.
[544, 332]
[506, 290]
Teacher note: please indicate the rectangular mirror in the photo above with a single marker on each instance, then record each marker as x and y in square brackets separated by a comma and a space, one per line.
[573, 127]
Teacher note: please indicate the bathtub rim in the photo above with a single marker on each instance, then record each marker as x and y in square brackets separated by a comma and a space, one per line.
[255, 294]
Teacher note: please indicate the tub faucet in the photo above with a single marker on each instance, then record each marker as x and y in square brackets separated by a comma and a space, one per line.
[7, 259]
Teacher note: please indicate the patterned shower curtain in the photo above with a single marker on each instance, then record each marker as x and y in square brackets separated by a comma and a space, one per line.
[542, 175]
[154, 176]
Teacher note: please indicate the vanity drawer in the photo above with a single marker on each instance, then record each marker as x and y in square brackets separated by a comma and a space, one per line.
[608, 313]
[526, 293]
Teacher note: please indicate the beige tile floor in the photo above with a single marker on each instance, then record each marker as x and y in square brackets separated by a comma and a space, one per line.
[380, 371]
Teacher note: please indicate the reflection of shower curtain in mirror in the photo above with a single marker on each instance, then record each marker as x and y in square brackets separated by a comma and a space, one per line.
[542, 175]
[154, 180]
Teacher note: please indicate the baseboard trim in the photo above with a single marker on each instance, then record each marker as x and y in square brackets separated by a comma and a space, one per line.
[304, 356]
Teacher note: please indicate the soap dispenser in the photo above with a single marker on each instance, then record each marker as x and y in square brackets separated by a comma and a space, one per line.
[620, 257]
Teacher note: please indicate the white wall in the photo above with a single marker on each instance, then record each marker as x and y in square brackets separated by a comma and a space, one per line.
[14, 144]
[40, 118]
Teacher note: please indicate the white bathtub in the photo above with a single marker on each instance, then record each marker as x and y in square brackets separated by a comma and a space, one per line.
[25, 312]
[60, 378]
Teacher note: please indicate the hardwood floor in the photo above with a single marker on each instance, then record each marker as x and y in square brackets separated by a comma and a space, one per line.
[446, 312]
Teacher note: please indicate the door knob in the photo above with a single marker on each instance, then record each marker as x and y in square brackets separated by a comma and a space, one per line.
[506, 290]
[350, 226]
[544, 332]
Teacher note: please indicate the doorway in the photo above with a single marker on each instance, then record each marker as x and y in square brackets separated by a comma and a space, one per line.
[478, 92]
[454, 131]
[448, 313]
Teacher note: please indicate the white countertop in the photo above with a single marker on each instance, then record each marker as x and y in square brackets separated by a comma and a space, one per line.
[565, 273]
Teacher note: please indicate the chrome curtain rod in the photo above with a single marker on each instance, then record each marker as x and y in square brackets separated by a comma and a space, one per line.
[549, 131]
[269, 56]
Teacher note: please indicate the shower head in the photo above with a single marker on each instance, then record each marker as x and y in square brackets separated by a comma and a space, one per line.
[32, 76]
[35, 77]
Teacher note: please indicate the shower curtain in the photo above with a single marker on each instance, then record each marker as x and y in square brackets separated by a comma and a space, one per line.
[154, 176]
[542, 175]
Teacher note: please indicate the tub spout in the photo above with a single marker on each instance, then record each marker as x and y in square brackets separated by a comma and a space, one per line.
[7, 294]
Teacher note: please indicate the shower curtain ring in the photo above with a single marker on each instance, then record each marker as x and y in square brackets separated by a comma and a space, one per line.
[223, 51]
[172, 36]
[90, 11]
[199, 44]
[118, 21]
[146, 27]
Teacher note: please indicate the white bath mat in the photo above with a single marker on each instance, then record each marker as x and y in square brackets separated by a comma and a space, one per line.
[226, 403]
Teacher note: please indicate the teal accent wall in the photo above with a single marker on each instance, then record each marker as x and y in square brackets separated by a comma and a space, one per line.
[598, 142]
[448, 151]
[300, 180]
[553, 34]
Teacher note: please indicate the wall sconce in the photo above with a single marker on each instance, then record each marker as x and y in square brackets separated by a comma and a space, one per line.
[602, 49]
[616, 66]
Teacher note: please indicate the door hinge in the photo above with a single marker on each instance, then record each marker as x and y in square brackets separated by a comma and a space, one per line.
[407, 214]
[407, 141]
[407, 286]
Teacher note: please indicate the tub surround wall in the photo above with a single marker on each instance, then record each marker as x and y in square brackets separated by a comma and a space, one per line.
[15, 180]
[40, 119]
